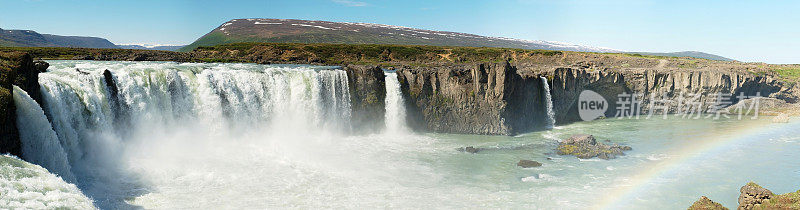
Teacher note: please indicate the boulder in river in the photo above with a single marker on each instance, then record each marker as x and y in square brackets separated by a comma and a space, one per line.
[585, 146]
[470, 149]
[528, 164]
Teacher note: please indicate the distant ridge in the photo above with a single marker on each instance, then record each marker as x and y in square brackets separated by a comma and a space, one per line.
[693, 54]
[148, 47]
[28, 38]
[307, 31]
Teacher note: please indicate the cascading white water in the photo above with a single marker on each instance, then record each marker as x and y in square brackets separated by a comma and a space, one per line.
[40, 143]
[158, 100]
[551, 116]
[395, 116]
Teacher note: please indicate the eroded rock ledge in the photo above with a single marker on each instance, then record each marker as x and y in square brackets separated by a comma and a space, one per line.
[16, 69]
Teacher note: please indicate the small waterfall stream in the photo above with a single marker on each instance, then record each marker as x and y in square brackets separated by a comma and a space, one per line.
[551, 116]
[395, 106]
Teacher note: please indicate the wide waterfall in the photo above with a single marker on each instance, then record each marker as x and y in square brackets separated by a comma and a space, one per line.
[395, 106]
[104, 112]
[551, 116]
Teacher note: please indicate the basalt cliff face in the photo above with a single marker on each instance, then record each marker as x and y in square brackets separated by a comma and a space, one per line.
[367, 97]
[660, 89]
[489, 98]
[507, 98]
[20, 70]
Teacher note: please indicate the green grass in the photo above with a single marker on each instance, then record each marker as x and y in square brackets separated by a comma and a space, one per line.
[789, 74]
[785, 201]
[366, 53]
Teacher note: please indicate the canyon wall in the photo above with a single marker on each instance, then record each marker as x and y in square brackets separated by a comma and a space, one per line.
[487, 98]
[507, 98]
[660, 86]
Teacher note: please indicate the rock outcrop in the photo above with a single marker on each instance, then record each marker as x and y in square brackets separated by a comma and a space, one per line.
[469, 149]
[16, 69]
[367, 97]
[585, 147]
[752, 196]
[706, 204]
[528, 163]
[491, 99]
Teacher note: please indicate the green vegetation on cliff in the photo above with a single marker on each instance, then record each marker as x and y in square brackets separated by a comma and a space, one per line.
[65, 53]
[790, 73]
[359, 53]
[784, 201]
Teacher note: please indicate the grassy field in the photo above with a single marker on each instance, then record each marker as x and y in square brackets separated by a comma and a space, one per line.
[363, 53]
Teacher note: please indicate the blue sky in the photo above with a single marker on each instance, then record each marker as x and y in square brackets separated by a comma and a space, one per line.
[765, 30]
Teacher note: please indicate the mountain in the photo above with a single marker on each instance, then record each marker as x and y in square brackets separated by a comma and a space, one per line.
[28, 38]
[151, 47]
[306, 31]
[693, 54]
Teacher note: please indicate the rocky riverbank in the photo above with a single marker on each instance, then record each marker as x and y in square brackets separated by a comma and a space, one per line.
[754, 196]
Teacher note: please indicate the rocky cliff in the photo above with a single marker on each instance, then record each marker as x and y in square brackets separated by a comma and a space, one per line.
[660, 86]
[488, 98]
[367, 97]
[20, 70]
[507, 98]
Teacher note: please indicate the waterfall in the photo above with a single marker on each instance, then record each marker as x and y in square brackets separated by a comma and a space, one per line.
[150, 101]
[40, 143]
[551, 116]
[395, 116]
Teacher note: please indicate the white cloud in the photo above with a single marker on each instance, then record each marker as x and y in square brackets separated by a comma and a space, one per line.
[351, 3]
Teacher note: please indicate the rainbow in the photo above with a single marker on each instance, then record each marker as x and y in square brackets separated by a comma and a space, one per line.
[708, 145]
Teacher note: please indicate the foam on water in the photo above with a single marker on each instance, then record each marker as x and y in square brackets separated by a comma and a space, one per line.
[28, 186]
